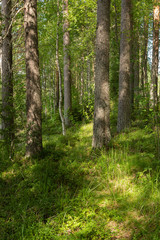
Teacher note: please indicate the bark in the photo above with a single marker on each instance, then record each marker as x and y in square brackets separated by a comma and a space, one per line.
[82, 81]
[144, 75]
[154, 76]
[116, 23]
[124, 104]
[59, 74]
[57, 88]
[1, 136]
[34, 106]
[0, 55]
[132, 63]
[7, 74]
[136, 69]
[67, 76]
[101, 126]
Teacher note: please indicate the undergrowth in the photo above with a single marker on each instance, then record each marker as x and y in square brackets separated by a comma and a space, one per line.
[73, 192]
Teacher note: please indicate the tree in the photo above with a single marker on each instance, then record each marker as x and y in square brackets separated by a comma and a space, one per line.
[33, 103]
[7, 74]
[58, 72]
[154, 75]
[67, 76]
[134, 55]
[124, 104]
[144, 61]
[101, 127]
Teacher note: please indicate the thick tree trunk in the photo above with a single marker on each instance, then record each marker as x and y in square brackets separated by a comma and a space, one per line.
[154, 76]
[7, 74]
[101, 127]
[34, 106]
[67, 76]
[124, 105]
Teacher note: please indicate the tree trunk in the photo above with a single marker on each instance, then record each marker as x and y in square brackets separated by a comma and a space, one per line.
[132, 58]
[1, 137]
[67, 76]
[57, 88]
[101, 127]
[59, 78]
[144, 75]
[7, 74]
[34, 106]
[136, 69]
[124, 105]
[154, 76]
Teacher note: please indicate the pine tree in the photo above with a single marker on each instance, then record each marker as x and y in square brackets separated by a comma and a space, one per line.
[101, 127]
[33, 104]
[124, 105]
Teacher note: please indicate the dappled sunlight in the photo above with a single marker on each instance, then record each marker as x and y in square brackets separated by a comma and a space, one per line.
[73, 192]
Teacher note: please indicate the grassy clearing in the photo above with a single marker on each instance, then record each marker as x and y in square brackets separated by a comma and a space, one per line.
[75, 193]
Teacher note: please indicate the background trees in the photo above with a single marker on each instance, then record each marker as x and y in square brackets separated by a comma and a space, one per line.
[77, 24]
[71, 191]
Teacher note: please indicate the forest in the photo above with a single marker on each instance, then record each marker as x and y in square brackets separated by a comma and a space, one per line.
[79, 120]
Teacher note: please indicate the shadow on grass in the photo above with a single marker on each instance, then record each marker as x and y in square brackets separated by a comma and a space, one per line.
[35, 191]
[74, 193]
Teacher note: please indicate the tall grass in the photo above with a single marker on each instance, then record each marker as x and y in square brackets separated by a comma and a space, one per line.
[73, 192]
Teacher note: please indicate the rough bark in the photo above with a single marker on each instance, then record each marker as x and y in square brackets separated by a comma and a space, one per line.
[124, 104]
[101, 127]
[34, 106]
[154, 74]
[7, 74]
[67, 76]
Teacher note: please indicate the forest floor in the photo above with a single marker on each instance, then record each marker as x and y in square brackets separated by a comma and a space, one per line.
[73, 192]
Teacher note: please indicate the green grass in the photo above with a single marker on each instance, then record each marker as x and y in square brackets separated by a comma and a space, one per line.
[73, 192]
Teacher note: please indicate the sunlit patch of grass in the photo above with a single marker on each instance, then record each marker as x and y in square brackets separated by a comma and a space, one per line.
[73, 192]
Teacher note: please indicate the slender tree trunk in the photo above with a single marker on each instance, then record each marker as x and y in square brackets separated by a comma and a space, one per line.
[57, 87]
[154, 76]
[116, 23]
[59, 74]
[136, 69]
[88, 85]
[144, 75]
[124, 105]
[67, 76]
[34, 106]
[82, 82]
[132, 58]
[101, 126]
[0, 56]
[7, 74]
[1, 137]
